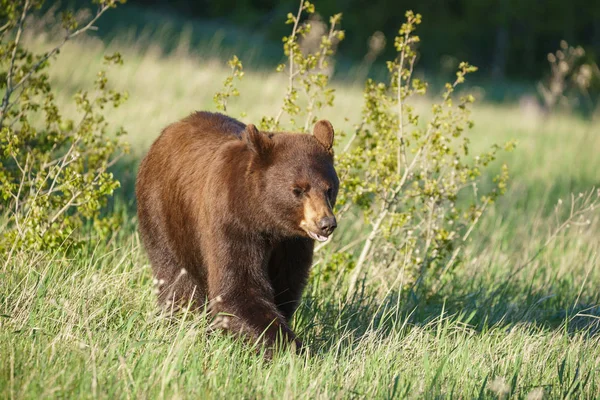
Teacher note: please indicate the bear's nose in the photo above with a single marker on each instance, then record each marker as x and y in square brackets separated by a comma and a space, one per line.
[327, 224]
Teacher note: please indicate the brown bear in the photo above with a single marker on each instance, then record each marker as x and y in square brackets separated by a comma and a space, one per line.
[229, 215]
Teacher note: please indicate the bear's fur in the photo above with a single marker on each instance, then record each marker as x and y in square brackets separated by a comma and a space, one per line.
[228, 215]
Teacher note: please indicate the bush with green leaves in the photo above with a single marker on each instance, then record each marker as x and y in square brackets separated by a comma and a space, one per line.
[410, 182]
[415, 183]
[53, 170]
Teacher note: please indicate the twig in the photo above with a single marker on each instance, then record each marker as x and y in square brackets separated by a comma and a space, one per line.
[322, 57]
[291, 58]
[9, 77]
[401, 156]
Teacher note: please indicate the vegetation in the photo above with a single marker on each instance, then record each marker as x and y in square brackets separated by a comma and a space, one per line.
[519, 318]
[54, 172]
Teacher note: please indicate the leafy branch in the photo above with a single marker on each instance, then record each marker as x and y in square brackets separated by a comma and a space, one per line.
[54, 172]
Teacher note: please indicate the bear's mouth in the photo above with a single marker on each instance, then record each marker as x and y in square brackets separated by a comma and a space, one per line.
[316, 236]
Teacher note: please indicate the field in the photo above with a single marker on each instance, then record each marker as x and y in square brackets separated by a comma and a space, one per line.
[520, 318]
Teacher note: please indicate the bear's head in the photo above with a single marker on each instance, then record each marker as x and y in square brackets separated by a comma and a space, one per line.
[296, 180]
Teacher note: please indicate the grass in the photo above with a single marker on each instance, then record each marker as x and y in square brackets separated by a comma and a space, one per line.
[520, 319]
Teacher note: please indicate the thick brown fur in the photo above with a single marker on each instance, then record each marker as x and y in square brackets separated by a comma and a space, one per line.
[227, 215]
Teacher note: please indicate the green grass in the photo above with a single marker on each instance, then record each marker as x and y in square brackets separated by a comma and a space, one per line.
[513, 321]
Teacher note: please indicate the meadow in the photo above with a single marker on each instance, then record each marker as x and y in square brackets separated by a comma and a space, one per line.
[520, 318]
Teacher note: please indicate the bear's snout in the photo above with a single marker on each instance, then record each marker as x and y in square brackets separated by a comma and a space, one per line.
[327, 225]
[319, 221]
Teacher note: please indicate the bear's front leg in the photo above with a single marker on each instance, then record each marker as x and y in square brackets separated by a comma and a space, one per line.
[289, 266]
[241, 295]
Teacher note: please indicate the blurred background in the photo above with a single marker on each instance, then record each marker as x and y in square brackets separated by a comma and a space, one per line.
[508, 39]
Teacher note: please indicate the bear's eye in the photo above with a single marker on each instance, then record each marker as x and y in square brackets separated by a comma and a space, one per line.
[298, 191]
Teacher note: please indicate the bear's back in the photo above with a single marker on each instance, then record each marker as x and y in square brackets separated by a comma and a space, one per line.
[209, 123]
[173, 176]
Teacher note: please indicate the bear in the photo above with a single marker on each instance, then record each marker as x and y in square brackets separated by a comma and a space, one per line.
[228, 216]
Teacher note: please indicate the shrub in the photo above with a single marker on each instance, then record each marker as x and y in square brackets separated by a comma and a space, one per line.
[412, 184]
[53, 170]
[417, 188]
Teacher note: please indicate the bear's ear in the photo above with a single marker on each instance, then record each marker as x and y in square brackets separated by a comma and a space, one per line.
[257, 142]
[323, 132]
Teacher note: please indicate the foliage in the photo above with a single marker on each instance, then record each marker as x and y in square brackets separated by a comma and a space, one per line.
[307, 70]
[237, 71]
[415, 183]
[53, 170]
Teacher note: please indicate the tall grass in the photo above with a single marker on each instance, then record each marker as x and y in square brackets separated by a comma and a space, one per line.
[520, 319]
